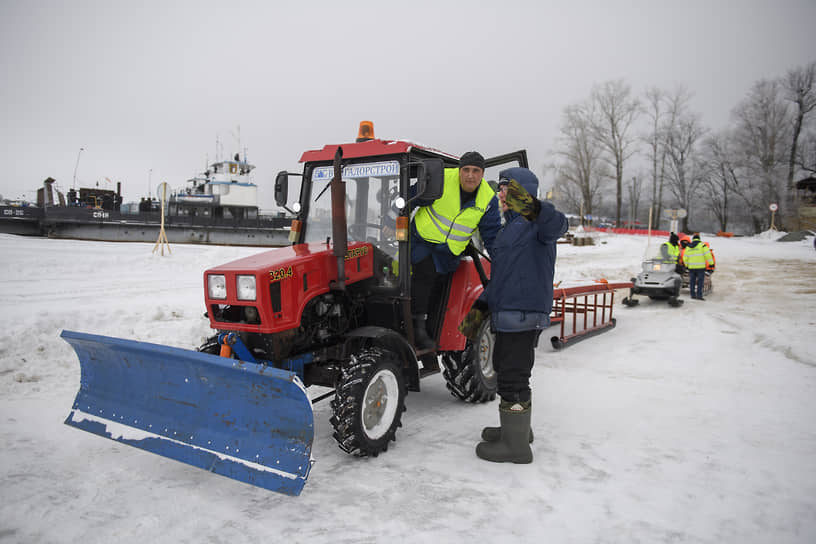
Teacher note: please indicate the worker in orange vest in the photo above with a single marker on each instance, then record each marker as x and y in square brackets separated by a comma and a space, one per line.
[683, 242]
[710, 267]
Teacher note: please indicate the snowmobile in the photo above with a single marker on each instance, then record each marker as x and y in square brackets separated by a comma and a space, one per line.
[659, 279]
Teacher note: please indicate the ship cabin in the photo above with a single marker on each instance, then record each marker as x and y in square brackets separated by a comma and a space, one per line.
[224, 190]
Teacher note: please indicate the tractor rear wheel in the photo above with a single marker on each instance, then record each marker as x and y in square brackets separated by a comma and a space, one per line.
[469, 374]
[368, 402]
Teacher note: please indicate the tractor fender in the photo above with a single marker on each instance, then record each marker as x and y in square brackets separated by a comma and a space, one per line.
[394, 342]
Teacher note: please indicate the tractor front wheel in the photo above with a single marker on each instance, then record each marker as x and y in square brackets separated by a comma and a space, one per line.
[210, 346]
[368, 402]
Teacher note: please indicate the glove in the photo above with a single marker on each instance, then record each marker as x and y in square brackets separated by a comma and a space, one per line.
[471, 323]
[679, 268]
[520, 201]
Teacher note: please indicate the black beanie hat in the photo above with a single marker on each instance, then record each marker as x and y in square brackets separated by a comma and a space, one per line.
[472, 158]
[673, 239]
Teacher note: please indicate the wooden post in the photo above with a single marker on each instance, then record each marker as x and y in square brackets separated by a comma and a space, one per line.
[162, 239]
[773, 207]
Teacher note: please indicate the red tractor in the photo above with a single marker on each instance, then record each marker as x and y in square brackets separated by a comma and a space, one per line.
[331, 310]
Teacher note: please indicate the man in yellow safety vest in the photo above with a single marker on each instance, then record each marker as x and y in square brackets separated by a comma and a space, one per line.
[697, 257]
[670, 250]
[441, 230]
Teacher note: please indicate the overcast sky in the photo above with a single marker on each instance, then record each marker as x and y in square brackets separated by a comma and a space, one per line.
[147, 87]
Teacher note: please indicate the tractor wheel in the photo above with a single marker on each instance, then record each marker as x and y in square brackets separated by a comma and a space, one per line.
[210, 346]
[469, 374]
[368, 402]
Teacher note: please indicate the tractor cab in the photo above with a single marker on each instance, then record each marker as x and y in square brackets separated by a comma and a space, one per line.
[375, 180]
[381, 181]
[366, 192]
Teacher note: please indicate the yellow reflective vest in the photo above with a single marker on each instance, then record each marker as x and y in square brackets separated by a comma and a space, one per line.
[444, 221]
[697, 256]
[672, 252]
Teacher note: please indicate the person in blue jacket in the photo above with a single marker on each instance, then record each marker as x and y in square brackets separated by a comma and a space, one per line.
[518, 300]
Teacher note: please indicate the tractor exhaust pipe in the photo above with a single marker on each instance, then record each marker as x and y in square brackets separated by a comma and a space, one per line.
[339, 225]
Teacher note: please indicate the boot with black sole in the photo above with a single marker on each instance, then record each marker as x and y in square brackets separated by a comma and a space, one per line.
[513, 445]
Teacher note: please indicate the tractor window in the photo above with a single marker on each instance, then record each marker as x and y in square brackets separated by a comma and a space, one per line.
[369, 201]
[367, 212]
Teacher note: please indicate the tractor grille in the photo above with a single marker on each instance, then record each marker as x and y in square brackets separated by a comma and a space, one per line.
[235, 314]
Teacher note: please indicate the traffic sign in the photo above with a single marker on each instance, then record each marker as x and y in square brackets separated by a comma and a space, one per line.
[678, 213]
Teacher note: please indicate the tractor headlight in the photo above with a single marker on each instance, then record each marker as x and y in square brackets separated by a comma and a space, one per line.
[217, 286]
[246, 287]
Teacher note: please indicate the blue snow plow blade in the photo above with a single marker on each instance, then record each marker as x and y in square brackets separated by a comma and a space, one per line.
[246, 421]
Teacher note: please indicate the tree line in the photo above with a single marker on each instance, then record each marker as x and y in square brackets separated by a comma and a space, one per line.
[657, 154]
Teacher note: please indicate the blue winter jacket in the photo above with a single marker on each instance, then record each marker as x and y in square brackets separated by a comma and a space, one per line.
[520, 292]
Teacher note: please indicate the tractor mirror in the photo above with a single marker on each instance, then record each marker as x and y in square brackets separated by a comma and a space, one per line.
[430, 183]
[281, 188]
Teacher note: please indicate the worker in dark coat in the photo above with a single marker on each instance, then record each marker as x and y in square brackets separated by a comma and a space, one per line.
[518, 300]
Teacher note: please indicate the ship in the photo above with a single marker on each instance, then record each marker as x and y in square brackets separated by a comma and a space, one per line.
[218, 206]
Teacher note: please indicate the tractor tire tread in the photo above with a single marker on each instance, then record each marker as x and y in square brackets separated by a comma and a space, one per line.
[346, 405]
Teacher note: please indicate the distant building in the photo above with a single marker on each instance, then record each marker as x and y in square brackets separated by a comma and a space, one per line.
[806, 194]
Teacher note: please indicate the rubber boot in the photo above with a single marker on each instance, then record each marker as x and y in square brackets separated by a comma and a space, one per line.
[493, 434]
[514, 444]
[423, 341]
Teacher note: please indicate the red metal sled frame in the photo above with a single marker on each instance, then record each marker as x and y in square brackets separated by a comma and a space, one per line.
[593, 300]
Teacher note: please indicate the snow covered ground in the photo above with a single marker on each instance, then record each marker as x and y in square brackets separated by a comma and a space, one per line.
[694, 424]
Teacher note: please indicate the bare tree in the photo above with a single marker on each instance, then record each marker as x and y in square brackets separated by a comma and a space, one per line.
[762, 137]
[798, 85]
[806, 155]
[719, 176]
[655, 112]
[799, 88]
[580, 171]
[616, 111]
[680, 136]
[634, 192]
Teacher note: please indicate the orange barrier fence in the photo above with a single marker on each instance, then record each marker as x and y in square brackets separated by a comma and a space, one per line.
[633, 231]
